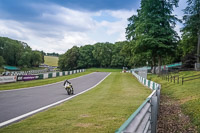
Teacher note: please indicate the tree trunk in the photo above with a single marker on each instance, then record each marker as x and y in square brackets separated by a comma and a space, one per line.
[198, 47]
[159, 65]
[153, 65]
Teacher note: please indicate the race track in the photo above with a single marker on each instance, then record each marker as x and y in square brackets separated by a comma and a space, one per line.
[17, 104]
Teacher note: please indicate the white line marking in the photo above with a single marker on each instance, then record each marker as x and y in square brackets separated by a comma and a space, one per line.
[43, 85]
[48, 106]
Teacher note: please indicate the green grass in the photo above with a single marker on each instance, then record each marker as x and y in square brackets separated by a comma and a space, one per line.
[24, 84]
[51, 60]
[187, 94]
[103, 109]
[103, 70]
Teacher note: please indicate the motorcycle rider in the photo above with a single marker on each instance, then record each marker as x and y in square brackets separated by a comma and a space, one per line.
[65, 83]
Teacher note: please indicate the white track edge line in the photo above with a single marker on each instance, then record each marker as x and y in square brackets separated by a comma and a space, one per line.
[43, 85]
[48, 106]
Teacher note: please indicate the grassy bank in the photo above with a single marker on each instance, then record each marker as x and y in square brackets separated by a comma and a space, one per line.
[51, 60]
[24, 84]
[188, 95]
[102, 109]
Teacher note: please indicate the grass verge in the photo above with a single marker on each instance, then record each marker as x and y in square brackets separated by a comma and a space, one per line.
[188, 95]
[24, 84]
[102, 109]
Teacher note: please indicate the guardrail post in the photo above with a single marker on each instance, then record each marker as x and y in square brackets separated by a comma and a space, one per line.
[154, 107]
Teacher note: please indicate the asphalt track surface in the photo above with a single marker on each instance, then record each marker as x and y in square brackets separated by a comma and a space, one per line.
[16, 103]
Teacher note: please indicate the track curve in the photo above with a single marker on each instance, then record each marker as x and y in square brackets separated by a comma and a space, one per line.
[18, 102]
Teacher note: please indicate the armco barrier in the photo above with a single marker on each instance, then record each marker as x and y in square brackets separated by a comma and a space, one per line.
[5, 79]
[57, 74]
[144, 119]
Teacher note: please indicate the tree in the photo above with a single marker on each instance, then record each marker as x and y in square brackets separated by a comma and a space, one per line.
[191, 31]
[69, 60]
[2, 62]
[18, 53]
[86, 58]
[103, 54]
[36, 58]
[153, 29]
[117, 58]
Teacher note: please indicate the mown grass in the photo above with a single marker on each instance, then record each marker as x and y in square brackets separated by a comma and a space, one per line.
[24, 84]
[187, 94]
[51, 60]
[102, 109]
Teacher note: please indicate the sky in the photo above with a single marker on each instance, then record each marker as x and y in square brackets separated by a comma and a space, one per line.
[58, 25]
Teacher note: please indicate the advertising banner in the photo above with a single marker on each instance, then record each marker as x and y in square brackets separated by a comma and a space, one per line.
[6, 79]
[27, 77]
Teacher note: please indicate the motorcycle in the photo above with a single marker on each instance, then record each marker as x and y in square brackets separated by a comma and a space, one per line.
[68, 87]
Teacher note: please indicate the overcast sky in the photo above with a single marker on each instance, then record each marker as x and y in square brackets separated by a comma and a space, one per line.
[57, 25]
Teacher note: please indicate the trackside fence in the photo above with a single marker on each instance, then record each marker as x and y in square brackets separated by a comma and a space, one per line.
[7, 79]
[144, 119]
[57, 74]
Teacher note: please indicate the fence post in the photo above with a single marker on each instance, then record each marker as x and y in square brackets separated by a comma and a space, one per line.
[171, 78]
[182, 80]
[154, 106]
[174, 79]
[178, 80]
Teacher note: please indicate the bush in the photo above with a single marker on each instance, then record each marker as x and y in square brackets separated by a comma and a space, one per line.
[2, 61]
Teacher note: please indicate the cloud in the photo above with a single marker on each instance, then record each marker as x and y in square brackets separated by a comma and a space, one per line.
[55, 28]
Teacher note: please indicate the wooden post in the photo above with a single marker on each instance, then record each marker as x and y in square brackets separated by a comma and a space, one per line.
[174, 78]
[178, 80]
[182, 80]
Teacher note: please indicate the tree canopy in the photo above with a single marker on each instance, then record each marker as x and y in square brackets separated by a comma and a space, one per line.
[17, 53]
[106, 55]
[152, 29]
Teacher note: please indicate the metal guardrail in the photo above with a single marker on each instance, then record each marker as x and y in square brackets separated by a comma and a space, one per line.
[15, 73]
[144, 119]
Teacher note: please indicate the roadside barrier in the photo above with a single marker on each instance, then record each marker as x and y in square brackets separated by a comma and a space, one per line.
[16, 73]
[57, 74]
[25, 77]
[7, 79]
[144, 119]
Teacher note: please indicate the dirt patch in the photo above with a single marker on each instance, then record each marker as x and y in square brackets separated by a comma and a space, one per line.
[84, 125]
[84, 116]
[171, 119]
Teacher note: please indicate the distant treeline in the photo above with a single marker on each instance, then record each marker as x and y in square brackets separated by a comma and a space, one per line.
[107, 55]
[17, 53]
[51, 54]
